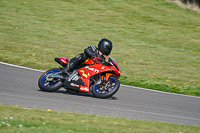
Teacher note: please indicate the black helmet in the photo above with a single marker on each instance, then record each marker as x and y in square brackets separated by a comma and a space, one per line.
[105, 46]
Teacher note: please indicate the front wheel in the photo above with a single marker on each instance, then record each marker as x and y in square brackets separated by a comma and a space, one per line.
[46, 83]
[107, 89]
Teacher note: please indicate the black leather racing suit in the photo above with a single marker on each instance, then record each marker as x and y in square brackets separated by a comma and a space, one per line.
[89, 52]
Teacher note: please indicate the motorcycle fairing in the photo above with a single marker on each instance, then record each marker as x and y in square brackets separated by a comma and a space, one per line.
[71, 86]
[85, 72]
[88, 71]
[117, 69]
[74, 84]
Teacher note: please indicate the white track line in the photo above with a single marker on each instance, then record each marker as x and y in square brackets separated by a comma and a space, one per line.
[21, 67]
[159, 91]
[120, 84]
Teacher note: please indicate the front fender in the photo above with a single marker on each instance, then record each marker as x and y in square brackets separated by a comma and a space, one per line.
[107, 75]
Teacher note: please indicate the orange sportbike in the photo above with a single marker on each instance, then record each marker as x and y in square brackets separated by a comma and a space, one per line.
[92, 76]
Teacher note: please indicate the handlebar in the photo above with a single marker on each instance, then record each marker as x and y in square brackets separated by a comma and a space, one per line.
[96, 60]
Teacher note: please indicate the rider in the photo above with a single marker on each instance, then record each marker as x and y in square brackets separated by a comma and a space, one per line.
[104, 48]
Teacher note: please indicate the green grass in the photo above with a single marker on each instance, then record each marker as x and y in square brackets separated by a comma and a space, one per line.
[15, 119]
[156, 43]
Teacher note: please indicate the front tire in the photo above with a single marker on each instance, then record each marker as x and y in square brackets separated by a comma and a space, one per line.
[109, 89]
[49, 84]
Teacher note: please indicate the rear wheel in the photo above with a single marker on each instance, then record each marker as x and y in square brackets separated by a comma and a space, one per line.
[48, 84]
[108, 89]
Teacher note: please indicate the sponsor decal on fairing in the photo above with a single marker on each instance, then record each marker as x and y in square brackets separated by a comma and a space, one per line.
[103, 67]
[75, 85]
[92, 69]
[84, 89]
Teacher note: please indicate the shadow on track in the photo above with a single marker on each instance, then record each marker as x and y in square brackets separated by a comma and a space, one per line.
[69, 92]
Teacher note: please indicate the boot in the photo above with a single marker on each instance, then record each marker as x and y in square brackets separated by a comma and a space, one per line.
[68, 68]
[65, 71]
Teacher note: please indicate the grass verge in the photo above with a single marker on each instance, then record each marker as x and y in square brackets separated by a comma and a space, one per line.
[15, 119]
[156, 43]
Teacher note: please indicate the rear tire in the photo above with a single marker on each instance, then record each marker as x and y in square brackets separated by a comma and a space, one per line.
[49, 84]
[111, 87]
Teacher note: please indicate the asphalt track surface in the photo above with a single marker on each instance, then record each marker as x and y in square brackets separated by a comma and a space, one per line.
[18, 86]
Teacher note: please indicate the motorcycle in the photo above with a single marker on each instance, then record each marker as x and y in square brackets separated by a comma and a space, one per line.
[92, 76]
